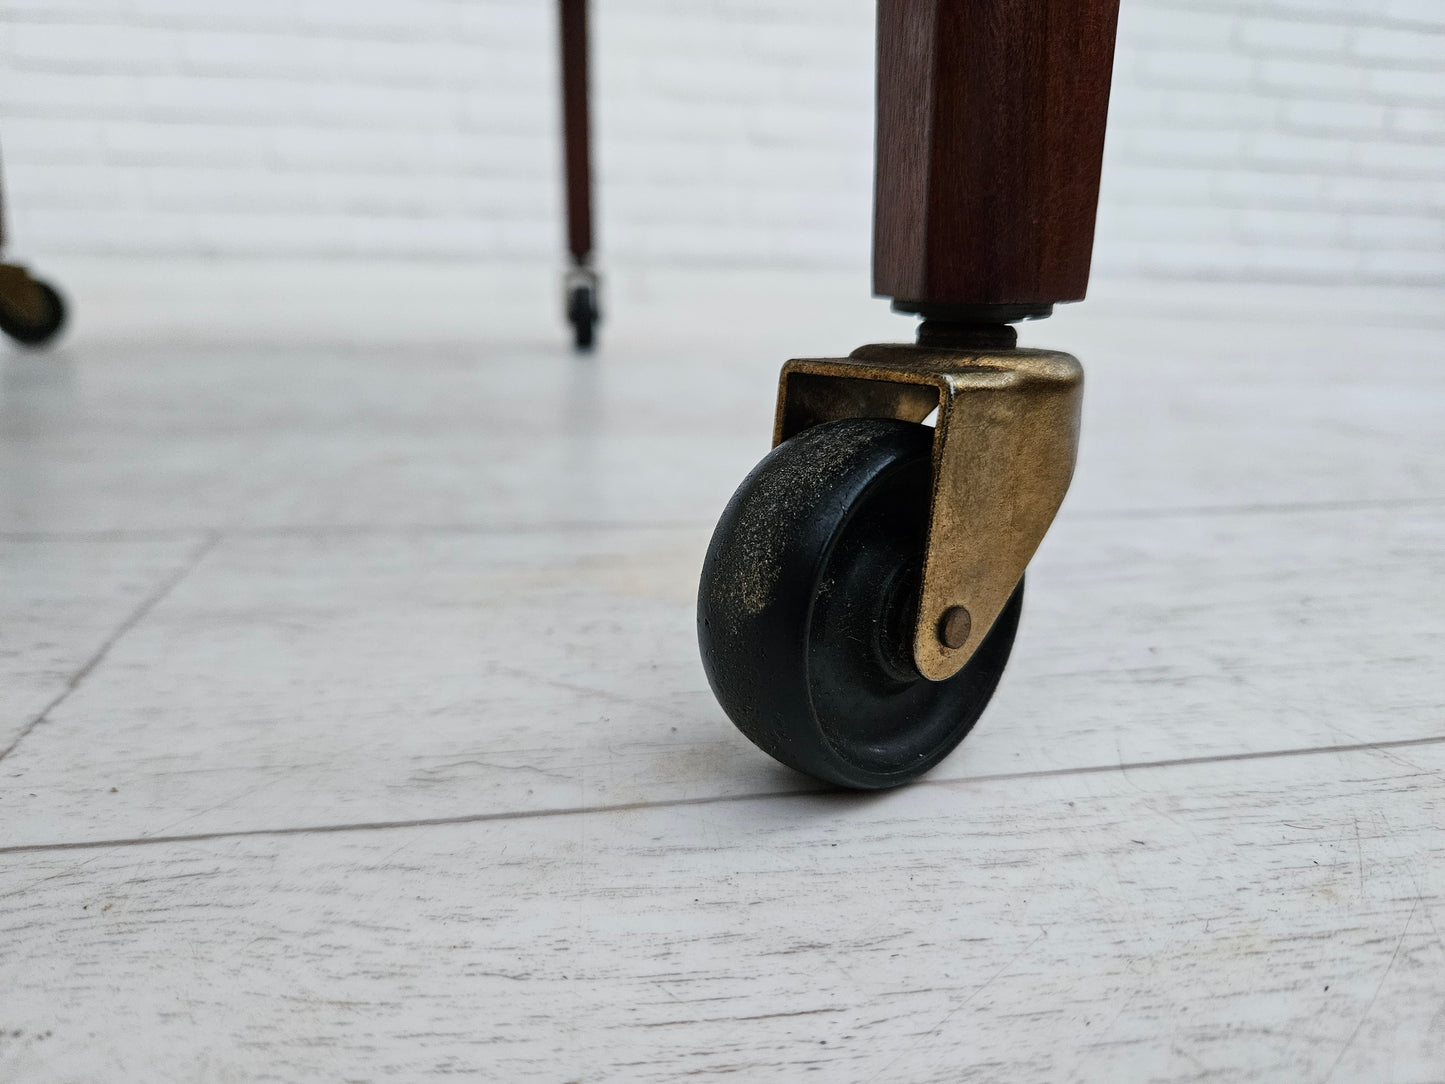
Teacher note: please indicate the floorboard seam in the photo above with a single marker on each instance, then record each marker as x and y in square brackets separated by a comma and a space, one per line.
[816, 791]
[136, 616]
[305, 530]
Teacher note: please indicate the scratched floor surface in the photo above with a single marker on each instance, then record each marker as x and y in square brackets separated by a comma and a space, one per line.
[351, 724]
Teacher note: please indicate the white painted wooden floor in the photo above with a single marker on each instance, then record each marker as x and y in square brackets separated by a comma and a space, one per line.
[353, 727]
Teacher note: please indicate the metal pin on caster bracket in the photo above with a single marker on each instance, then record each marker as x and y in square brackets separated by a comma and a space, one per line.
[1004, 446]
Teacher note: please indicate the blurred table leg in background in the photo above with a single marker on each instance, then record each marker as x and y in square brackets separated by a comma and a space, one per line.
[581, 282]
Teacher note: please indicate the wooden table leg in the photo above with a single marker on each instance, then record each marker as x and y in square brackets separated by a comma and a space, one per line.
[861, 593]
[581, 283]
[990, 138]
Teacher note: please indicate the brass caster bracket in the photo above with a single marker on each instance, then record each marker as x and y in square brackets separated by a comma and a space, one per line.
[1003, 454]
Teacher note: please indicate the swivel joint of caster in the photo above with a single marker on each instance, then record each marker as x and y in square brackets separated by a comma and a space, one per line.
[862, 590]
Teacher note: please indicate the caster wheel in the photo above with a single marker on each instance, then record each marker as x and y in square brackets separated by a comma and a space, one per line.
[807, 606]
[582, 314]
[37, 319]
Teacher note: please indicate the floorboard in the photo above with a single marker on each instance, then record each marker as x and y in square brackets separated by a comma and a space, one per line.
[1261, 920]
[353, 728]
[342, 677]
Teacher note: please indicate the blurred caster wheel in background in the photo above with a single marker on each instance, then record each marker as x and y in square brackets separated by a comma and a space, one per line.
[32, 312]
[583, 312]
[807, 605]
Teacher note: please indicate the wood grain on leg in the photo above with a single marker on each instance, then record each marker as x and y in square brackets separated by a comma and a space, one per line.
[990, 138]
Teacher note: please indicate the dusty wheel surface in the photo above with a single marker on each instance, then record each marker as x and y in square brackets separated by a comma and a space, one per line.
[807, 602]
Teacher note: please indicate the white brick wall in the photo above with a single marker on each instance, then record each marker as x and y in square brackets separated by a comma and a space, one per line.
[1265, 139]
[1278, 139]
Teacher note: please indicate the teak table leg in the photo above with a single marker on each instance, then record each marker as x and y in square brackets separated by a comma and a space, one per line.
[990, 136]
[860, 595]
[581, 282]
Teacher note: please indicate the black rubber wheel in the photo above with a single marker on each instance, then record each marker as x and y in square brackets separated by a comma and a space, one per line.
[582, 315]
[32, 332]
[807, 603]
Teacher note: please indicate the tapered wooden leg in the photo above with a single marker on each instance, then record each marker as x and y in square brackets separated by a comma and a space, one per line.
[990, 137]
[581, 284]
